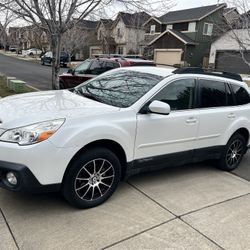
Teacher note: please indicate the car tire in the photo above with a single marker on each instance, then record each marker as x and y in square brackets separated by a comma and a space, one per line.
[91, 178]
[42, 62]
[233, 153]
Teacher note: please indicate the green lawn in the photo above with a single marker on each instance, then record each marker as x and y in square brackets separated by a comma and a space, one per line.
[4, 91]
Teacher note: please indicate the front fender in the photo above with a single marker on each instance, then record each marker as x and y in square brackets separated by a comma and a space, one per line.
[78, 136]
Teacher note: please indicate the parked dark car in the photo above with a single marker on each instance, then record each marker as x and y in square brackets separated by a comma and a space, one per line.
[93, 67]
[47, 58]
[85, 71]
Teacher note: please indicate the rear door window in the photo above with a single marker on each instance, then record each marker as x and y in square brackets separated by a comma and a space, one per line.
[212, 94]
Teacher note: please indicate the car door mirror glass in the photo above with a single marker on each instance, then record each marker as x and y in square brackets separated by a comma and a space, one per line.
[159, 107]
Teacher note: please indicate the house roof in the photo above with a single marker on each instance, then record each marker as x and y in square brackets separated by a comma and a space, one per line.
[134, 20]
[107, 23]
[182, 37]
[194, 14]
[89, 24]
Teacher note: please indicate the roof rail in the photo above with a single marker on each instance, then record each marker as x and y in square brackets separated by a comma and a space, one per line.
[194, 70]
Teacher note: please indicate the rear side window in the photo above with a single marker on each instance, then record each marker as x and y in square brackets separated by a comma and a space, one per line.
[212, 94]
[241, 95]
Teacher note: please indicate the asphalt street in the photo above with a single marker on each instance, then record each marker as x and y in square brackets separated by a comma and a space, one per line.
[32, 73]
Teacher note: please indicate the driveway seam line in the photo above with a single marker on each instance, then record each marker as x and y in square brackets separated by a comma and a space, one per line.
[238, 177]
[139, 233]
[213, 205]
[159, 204]
[8, 226]
[205, 236]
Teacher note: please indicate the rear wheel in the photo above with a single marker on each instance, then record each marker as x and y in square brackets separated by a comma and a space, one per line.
[92, 178]
[233, 153]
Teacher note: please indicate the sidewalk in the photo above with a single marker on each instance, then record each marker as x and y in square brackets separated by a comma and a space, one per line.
[193, 207]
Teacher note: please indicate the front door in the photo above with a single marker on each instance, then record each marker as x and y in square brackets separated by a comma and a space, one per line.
[169, 139]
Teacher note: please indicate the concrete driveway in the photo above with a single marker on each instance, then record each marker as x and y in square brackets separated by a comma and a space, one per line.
[193, 207]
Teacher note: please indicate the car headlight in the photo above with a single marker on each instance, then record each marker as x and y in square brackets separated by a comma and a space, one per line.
[32, 134]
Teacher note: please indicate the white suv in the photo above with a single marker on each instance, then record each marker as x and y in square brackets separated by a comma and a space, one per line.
[85, 140]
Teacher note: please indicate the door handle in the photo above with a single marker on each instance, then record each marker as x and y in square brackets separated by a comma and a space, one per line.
[191, 120]
[231, 116]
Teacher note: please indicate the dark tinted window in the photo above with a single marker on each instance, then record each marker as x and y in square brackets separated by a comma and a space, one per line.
[212, 94]
[99, 66]
[179, 95]
[241, 95]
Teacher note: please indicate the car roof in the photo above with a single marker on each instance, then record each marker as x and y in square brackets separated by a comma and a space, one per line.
[164, 72]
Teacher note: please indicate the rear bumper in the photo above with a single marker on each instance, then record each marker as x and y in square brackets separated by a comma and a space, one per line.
[26, 181]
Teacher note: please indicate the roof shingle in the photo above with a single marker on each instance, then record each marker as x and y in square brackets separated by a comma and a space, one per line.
[193, 14]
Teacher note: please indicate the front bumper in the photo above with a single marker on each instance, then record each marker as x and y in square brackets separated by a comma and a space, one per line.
[26, 181]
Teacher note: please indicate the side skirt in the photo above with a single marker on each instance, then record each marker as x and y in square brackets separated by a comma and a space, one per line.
[160, 162]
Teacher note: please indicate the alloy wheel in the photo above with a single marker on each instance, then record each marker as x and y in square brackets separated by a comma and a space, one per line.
[234, 153]
[94, 179]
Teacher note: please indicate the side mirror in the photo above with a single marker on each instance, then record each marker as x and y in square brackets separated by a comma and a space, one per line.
[158, 107]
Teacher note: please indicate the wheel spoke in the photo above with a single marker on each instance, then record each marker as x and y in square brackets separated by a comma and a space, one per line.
[82, 179]
[101, 167]
[93, 192]
[106, 170]
[86, 192]
[107, 177]
[82, 187]
[87, 171]
[94, 167]
[105, 184]
[99, 190]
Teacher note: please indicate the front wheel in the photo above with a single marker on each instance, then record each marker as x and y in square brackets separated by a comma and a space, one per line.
[233, 153]
[92, 178]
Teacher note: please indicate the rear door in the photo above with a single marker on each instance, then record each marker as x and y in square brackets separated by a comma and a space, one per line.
[216, 113]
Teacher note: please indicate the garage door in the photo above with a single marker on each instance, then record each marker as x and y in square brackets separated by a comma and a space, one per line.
[167, 56]
[232, 61]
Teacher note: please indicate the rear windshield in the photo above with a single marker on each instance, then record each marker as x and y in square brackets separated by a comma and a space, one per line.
[119, 88]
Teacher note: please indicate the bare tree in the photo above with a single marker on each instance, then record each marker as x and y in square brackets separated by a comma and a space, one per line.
[238, 28]
[55, 18]
[7, 17]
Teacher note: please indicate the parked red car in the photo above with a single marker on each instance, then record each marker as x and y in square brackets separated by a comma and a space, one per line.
[93, 67]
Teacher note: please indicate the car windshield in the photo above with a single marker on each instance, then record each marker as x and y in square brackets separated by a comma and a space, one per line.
[118, 88]
[80, 69]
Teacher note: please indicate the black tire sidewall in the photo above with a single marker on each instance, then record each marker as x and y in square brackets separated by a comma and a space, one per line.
[223, 162]
[69, 179]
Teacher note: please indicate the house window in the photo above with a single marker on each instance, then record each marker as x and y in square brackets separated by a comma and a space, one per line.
[120, 50]
[192, 27]
[169, 26]
[152, 29]
[208, 29]
[119, 32]
[180, 26]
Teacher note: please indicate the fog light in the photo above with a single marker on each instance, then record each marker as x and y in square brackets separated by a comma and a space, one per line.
[11, 178]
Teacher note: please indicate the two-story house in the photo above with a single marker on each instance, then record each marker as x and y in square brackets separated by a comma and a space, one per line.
[184, 36]
[105, 37]
[124, 35]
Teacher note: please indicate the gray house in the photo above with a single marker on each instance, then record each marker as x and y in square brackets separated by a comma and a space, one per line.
[184, 36]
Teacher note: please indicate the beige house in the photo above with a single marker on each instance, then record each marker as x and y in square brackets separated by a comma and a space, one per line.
[123, 36]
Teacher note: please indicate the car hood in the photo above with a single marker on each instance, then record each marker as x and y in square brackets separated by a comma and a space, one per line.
[24, 109]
